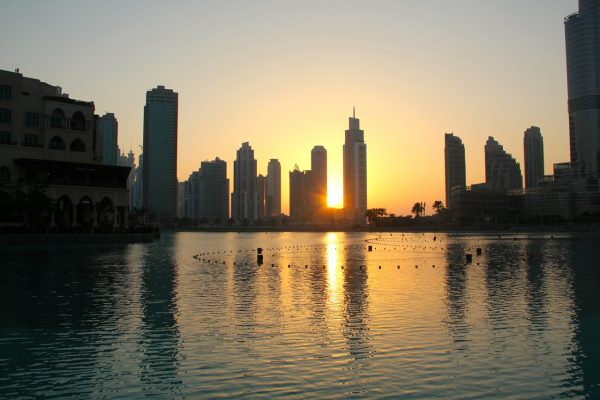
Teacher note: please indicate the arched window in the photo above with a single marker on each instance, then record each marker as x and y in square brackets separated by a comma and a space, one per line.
[56, 143]
[78, 122]
[77, 145]
[4, 174]
[58, 119]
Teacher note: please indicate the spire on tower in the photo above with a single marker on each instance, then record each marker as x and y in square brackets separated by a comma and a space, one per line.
[353, 112]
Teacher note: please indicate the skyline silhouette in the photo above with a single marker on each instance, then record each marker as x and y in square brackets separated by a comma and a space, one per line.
[283, 77]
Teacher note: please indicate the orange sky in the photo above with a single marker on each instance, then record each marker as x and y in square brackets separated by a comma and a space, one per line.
[285, 75]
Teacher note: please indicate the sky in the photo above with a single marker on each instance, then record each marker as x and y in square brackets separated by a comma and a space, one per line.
[285, 75]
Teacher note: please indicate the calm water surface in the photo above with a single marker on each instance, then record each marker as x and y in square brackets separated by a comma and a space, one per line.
[132, 321]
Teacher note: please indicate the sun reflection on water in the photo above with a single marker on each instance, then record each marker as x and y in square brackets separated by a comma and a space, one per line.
[332, 258]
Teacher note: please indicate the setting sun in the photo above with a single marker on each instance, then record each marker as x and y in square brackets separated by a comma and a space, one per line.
[335, 195]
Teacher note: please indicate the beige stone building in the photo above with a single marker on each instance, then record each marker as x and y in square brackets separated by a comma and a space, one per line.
[49, 141]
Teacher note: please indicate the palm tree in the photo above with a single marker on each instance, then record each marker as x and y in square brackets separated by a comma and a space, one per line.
[418, 209]
[439, 208]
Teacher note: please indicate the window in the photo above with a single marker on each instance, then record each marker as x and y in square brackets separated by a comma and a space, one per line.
[77, 145]
[78, 121]
[56, 143]
[58, 119]
[5, 92]
[30, 140]
[32, 119]
[5, 115]
[4, 137]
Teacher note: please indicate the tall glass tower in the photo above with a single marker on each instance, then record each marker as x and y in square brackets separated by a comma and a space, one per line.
[533, 151]
[244, 197]
[454, 158]
[582, 37]
[355, 170]
[160, 153]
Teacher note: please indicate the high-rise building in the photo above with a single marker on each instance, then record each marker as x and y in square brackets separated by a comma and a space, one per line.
[261, 195]
[582, 37]
[502, 171]
[454, 156]
[243, 198]
[214, 191]
[300, 184]
[355, 170]
[273, 189]
[108, 129]
[160, 153]
[318, 166]
[180, 199]
[533, 152]
[192, 196]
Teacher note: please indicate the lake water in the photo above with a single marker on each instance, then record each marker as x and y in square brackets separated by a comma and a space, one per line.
[521, 321]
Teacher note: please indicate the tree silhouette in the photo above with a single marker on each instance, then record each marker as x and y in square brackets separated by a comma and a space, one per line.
[373, 213]
[418, 209]
[439, 208]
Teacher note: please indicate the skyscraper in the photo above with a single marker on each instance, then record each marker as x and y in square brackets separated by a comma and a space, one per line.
[273, 190]
[533, 151]
[243, 198]
[582, 37]
[318, 164]
[108, 129]
[502, 171]
[355, 170]
[300, 184]
[160, 153]
[261, 195]
[454, 156]
[214, 191]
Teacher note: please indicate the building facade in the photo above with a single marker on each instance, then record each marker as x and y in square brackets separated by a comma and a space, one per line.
[300, 189]
[108, 129]
[49, 144]
[160, 153]
[214, 191]
[533, 156]
[243, 197]
[502, 171]
[273, 189]
[318, 166]
[454, 158]
[261, 195]
[355, 171]
[582, 38]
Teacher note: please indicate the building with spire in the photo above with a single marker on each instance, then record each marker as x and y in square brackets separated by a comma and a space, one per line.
[355, 170]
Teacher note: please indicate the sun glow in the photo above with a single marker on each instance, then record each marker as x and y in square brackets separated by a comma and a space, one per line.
[335, 195]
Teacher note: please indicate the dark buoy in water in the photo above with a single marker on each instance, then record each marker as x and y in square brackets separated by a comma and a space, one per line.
[380, 267]
[398, 267]
[370, 248]
[469, 258]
